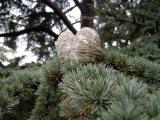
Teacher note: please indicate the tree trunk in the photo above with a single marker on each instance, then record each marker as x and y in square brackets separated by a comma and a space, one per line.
[87, 14]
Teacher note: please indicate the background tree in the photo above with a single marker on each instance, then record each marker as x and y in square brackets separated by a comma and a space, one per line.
[133, 23]
[118, 21]
[32, 19]
[129, 20]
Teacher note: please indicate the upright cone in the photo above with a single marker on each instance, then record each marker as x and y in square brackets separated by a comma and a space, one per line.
[84, 47]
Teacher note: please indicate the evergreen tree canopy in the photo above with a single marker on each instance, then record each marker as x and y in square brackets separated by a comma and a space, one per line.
[123, 85]
[120, 87]
[37, 20]
[125, 21]
[118, 21]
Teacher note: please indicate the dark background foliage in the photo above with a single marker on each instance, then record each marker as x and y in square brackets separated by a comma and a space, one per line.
[120, 23]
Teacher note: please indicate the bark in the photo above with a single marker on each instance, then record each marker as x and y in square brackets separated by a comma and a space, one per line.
[87, 12]
[87, 15]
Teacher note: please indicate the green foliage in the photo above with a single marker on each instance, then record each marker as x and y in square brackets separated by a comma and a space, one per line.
[126, 21]
[147, 48]
[120, 88]
[80, 87]
[93, 90]
[46, 106]
[144, 69]
[128, 89]
[131, 89]
[5, 72]
[69, 66]
[17, 94]
[2, 54]
[125, 109]
[153, 106]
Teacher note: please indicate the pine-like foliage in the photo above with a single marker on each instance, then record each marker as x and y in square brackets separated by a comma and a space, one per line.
[139, 67]
[17, 94]
[88, 89]
[46, 106]
[148, 48]
[121, 87]
[2, 56]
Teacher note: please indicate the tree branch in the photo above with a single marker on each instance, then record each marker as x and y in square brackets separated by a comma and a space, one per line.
[72, 24]
[60, 14]
[124, 19]
[70, 9]
[28, 30]
[42, 14]
[80, 6]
